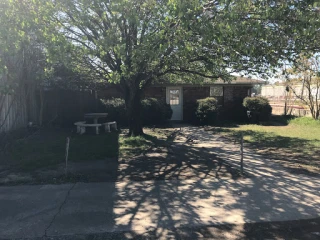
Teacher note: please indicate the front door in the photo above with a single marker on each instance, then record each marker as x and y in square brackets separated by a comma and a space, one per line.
[174, 98]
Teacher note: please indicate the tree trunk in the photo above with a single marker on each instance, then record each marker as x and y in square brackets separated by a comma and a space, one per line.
[134, 107]
[315, 113]
[286, 104]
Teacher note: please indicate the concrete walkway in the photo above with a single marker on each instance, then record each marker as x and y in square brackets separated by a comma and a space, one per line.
[269, 194]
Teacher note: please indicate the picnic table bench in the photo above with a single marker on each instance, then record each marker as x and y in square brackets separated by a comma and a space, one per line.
[108, 125]
[81, 126]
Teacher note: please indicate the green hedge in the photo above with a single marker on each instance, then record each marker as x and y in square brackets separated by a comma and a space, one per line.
[154, 111]
[260, 108]
[207, 111]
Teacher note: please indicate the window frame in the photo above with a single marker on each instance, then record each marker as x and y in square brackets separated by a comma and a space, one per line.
[176, 100]
[214, 93]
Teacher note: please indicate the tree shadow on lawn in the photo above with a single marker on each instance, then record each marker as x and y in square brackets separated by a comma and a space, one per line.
[296, 154]
[275, 121]
[180, 191]
[166, 160]
[278, 120]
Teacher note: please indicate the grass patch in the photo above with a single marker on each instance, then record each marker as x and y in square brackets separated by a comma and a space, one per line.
[295, 143]
[133, 146]
[47, 148]
[95, 147]
[305, 121]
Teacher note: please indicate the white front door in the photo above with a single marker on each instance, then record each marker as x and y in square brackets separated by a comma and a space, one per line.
[174, 98]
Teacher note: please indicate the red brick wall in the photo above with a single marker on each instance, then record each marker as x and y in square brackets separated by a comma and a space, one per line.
[228, 94]
[155, 92]
[234, 94]
[232, 107]
[241, 92]
[115, 92]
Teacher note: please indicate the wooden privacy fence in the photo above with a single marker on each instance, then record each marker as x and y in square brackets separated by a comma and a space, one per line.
[18, 108]
[13, 112]
[65, 107]
[58, 106]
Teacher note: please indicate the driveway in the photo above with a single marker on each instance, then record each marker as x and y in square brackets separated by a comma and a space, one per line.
[269, 193]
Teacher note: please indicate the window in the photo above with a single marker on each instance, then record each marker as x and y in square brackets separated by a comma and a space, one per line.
[216, 91]
[174, 96]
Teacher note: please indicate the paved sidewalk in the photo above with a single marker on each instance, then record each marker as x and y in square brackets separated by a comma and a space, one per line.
[269, 194]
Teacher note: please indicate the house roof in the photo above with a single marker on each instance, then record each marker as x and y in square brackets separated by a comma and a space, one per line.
[240, 81]
[237, 81]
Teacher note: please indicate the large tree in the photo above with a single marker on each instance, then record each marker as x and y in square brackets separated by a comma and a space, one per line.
[135, 43]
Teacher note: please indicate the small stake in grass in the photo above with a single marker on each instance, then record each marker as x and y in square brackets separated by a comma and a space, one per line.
[241, 153]
[67, 154]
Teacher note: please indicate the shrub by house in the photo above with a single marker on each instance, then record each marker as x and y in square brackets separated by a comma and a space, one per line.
[259, 107]
[207, 111]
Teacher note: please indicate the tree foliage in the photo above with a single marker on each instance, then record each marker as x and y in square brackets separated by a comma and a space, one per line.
[22, 56]
[135, 43]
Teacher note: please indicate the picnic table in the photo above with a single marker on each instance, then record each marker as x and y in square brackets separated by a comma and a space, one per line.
[95, 116]
[82, 125]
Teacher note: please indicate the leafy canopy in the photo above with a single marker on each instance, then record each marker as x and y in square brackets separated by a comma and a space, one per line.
[141, 41]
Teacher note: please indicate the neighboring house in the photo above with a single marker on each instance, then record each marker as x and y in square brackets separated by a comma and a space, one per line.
[182, 97]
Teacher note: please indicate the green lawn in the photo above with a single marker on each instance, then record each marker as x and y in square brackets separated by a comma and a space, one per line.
[47, 148]
[294, 142]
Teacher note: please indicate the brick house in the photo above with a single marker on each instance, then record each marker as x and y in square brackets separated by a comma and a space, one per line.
[182, 97]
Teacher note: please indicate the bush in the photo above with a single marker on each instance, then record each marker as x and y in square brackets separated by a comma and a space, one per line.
[207, 111]
[116, 110]
[259, 107]
[153, 111]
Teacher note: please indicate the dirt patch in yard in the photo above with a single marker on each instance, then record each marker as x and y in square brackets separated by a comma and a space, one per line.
[176, 157]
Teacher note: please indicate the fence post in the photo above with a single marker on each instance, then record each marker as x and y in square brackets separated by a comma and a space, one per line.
[67, 154]
[241, 153]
